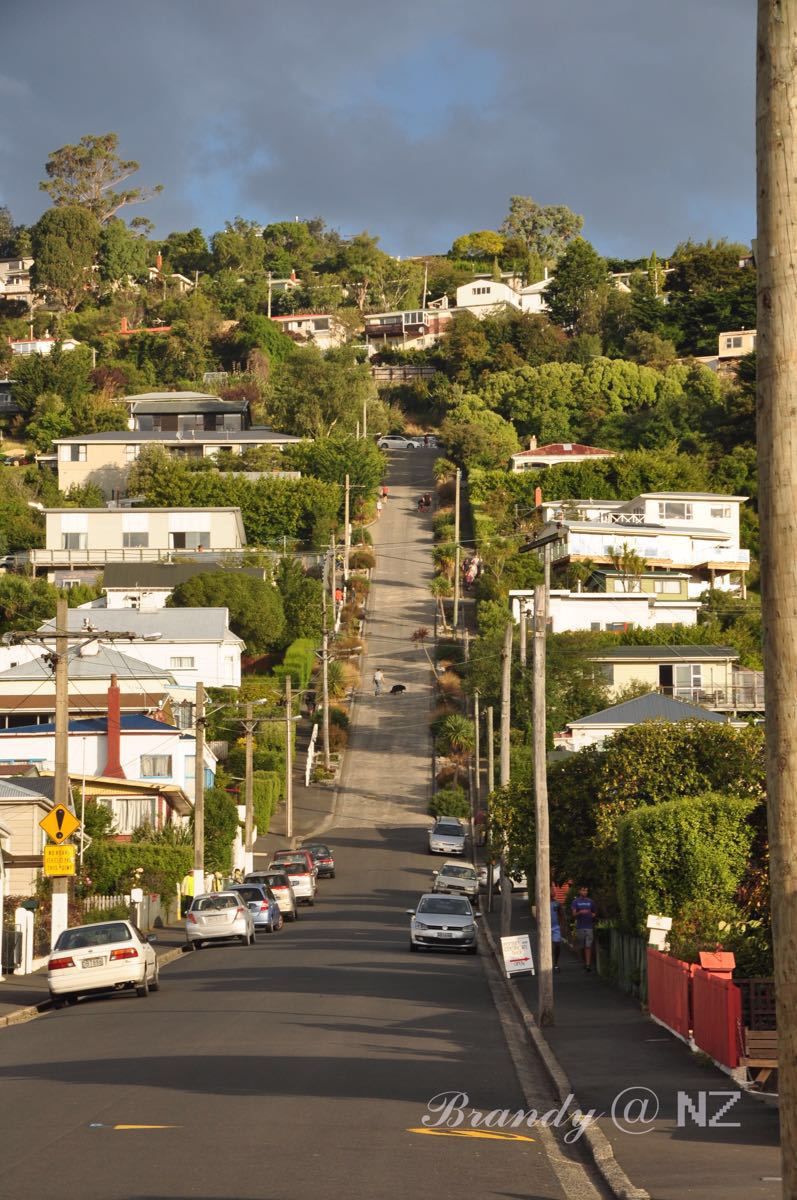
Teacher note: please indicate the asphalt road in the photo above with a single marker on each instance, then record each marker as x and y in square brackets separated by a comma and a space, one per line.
[298, 1067]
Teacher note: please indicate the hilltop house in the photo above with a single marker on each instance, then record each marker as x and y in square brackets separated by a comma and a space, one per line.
[593, 730]
[324, 330]
[186, 413]
[706, 675]
[414, 329]
[571, 611]
[554, 453]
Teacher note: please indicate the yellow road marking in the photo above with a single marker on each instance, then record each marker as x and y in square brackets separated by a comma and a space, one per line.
[146, 1127]
[472, 1133]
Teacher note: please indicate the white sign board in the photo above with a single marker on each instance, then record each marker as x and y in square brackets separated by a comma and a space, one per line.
[517, 955]
[655, 922]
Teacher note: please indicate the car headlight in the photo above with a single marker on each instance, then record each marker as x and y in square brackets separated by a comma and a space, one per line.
[468, 928]
[420, 925]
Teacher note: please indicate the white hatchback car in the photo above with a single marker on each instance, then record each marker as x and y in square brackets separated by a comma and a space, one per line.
[397, 441]
[105, 957]
[303, 881]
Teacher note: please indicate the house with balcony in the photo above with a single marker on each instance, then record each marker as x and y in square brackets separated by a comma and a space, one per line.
[695, 533]
[413, 329]
[105, 458]
[323, 330]
[595, 728]
[186, 413]
[15, 283]
[41, 345]
[709, 676]
[92, 537]
[551, 455]
[613, 612]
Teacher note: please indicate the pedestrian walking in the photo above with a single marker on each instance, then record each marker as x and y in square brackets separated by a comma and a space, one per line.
[585, 912]
[384, 494]
[378, 509]
[186, 893]
[557, 921]
[379, 680]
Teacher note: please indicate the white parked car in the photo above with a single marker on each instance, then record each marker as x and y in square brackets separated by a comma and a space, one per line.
[456, 879]
[105, 957]
[447, 836]
[447, 922]
[219, 916]
[397, 441]
[303, 881]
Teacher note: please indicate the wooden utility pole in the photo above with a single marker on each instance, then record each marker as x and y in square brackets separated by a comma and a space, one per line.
[543, 857]
[477, 749]
[59, 914]
[325, 683]
[506, 684]
[332, 577]
[776, 149]
[523, 631]
[346, 531]
[199, 791]
[490, 751]
[288, 759]
[457, 484]
[365, 417]
[249, 787]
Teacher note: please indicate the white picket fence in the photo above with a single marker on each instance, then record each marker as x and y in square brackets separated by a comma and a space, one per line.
[150, 912]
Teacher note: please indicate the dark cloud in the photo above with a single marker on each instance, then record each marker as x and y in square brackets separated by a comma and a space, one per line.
[415, 121]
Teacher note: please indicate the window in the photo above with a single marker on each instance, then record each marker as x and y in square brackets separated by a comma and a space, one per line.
[667, 587]
[131, 453]
[605, 673]
[675, 510]
[73, 453]
[688, 679]
[156, 766]
[73, 541]
[481, 291]
[129, 812]
[189, 540]
[722, 511]
[617, 626]
[135, 541]
[733, 343]
[181, 664]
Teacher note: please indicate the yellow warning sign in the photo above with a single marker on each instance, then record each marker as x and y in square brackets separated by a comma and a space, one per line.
[59, 860]
[59, 824]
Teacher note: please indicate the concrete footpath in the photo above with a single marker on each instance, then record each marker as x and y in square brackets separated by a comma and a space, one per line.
[615, 1059]
[25, 996]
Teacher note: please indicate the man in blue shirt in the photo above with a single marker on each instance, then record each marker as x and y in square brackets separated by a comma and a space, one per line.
[585, 912]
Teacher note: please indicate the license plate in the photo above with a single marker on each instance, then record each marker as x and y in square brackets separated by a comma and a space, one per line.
[216, 919]
[444, 933]
[93, 962]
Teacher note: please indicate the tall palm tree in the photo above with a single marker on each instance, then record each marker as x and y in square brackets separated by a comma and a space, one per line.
[457, 740]
[441, 588]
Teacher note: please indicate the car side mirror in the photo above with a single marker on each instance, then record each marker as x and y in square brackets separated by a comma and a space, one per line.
[410, 912]
[151, 937]
[435, 874]
[477, 916]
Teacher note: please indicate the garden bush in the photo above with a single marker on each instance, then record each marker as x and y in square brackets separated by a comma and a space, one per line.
[674, 854]
[119, 912]
[362, 560]
[298, 662]
[110, 866]
[267, 788]
[449, 802]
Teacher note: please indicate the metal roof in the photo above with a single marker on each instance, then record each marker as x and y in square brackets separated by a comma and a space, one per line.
[258, 436]
[10, 791]
[653, 707]
[665, 653]
[165, 575]
[173, 624]
[129, 723]
[199, 404]
[106, 662]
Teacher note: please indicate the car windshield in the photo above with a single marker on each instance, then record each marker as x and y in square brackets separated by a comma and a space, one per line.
[296, 868]
[278, 879]
[449, 906]
[250, 894]
[459, 872]
[94, 935]
[449, 827]
[215, 903]
[319, 851]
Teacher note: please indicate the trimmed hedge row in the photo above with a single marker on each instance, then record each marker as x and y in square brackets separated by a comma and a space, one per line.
[110, 866]
[298, 663]
[267, 787]
[672, 854]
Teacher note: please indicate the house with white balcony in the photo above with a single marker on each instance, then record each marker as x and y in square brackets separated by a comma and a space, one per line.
[582, 611]
[92, 537]
[706, 675]
[412, 329]
[15, 284]
[41, 345]
[194, 645]
[696, 533]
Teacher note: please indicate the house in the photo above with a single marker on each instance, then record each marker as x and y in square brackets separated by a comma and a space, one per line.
[532, 296]
[593, 730]
[105, 458]
[570, 611]
[554, 453]
[324, 330]
[193, 644]
[705, 675]
[147, 586]
[21, 810]
[126, 747]
[27, 690]
[92, 537]
[736, 343]
[692, 532]
[414, 329]
[42, 345]
[485, 296]
[15, 282]
[186, 413]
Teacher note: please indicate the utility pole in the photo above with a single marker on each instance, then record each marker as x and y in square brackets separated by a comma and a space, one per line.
[269, 295]
[543, 857]
[59, 916]
[288, 759]
[523, 631]
[365, 416]
[332, 577]
[325, 682]
[425, 284]
[346, 531]
[477, 748]
[490, 790]
[458, 480]
[776, 150]
[506, 682]
[199, 791]
[249, 726]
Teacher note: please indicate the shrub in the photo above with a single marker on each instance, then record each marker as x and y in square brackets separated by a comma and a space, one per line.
[338, 737]
[449, 802]
[450, 684]
[298, 662]
[361, 537]
[338, 717]
[681, 852]
[267, 789]
[362, 560]
[119, 912]
[111, 865]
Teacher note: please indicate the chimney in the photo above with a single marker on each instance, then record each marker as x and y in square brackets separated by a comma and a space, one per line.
[159, 261]
[538, 497]
[123, 325]
[113, 765]
[532, 443]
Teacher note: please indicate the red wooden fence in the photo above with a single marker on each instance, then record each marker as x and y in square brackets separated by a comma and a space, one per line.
[668, 992]
[716, 1017]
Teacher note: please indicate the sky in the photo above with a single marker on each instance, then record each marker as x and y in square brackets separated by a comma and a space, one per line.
[414, 120]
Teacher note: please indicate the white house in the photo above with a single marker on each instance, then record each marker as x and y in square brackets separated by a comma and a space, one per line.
[736, 343]
[42, 345]
[594, 729]
[15, 280]
[550, 455]
[696, 532]
[705, 675]
[324, 330]
[192, 644]
[485, 296]
[578, 611]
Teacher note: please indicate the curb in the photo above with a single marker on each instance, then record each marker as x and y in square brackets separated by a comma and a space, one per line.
[20, 1015]
[599, 1145]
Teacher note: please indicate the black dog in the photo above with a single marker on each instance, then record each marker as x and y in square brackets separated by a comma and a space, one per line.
[397, 689]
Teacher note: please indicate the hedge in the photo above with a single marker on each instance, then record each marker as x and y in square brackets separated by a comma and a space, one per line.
[672, 854]
[110, 866]
[449, 802]
[298, 663]
[267, 788]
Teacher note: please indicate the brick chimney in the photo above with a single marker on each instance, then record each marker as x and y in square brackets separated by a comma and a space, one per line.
[113, 765]
[159, 261]
[123, 327]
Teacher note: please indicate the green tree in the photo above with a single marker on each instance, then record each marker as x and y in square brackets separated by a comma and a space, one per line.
[65, 243]
[301, 599]
[312, 394]
[186, 252]
[578, 286]
[333, 458]
[238, 247]
[254, 605]
[483, 243]
[544, 229]
[221, 824]
[86, 175]
[124, 255]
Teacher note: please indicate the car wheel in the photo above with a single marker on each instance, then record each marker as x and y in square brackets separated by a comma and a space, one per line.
[195, 945]
[58, 1001]
[473, 949]
[142, 989]
[311, 901]
[280, 923]
[72, 999]
[331, 874]
[252, 938]
[243, 938]
[156, 980]
[295, 914]
[413, 947]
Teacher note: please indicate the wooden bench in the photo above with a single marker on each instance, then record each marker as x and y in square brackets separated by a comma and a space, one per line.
[761, 1054]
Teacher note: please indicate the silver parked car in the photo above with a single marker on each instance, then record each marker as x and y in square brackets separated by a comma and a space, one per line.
[397, 441]
[262, 904]
[282, 888]
[456, 879]
[447, 836]
[217, 916]
[448, 922]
